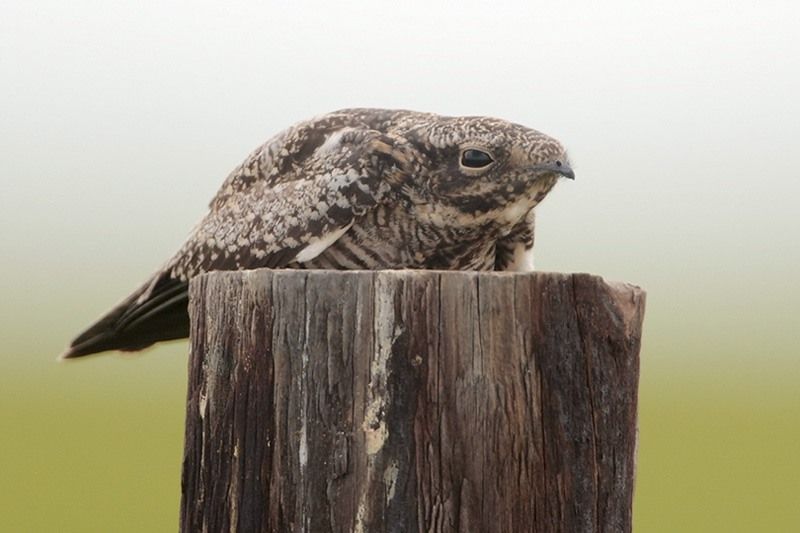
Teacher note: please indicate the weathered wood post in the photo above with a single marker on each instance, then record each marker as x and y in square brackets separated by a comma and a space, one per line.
[411, 401]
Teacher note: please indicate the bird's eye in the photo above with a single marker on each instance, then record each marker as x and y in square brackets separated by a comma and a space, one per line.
[475, 158]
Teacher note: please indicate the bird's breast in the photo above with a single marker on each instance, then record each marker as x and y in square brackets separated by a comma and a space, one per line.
[392, 238]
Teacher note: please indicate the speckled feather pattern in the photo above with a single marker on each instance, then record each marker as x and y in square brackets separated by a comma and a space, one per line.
[354, 189]
[393, 177]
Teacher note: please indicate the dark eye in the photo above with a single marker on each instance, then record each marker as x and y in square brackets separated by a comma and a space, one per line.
[475, 158]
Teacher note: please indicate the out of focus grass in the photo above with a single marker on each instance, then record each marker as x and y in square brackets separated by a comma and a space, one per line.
[93, 445]
[716, 456]
[96, 446]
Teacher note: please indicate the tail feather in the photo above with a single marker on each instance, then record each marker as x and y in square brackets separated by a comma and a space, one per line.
[157, 311]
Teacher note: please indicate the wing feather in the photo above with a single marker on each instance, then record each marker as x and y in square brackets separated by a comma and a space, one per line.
[275, 208]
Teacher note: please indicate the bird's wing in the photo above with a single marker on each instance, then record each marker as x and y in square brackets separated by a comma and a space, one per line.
[270, 226]
[259, 219]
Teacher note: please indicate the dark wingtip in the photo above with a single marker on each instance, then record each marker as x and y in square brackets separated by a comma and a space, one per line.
[134, 325]
[82, 346]
[99, 336]
[69, 353]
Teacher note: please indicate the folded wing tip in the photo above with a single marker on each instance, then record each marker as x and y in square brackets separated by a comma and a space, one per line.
[79, 349]
[65, 355]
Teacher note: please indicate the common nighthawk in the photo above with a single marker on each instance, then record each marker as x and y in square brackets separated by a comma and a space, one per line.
[355, 189]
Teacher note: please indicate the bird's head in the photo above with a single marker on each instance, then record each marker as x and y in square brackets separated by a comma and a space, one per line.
[482, 170]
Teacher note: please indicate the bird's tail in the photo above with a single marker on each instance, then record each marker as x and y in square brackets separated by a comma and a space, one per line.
[157, 311]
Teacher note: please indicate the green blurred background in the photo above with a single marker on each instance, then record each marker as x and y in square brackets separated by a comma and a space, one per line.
[119, 123]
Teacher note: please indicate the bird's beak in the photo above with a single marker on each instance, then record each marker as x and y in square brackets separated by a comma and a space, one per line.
[556, 167]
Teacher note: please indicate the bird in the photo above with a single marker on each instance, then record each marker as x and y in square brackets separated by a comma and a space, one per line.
[364, 189]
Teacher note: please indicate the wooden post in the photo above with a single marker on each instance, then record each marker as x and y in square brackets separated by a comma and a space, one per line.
[411, 401]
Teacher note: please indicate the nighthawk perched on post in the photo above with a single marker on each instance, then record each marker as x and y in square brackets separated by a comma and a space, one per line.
[355, 189]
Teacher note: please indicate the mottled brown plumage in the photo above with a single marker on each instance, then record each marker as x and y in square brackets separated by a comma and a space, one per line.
[355, 189]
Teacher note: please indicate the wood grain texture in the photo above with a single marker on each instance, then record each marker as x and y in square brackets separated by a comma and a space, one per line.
[411, 401]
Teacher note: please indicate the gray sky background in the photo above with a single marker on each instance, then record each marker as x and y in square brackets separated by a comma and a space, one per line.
[119, 120]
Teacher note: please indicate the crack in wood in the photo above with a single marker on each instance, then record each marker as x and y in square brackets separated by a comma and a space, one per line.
[410, 401]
